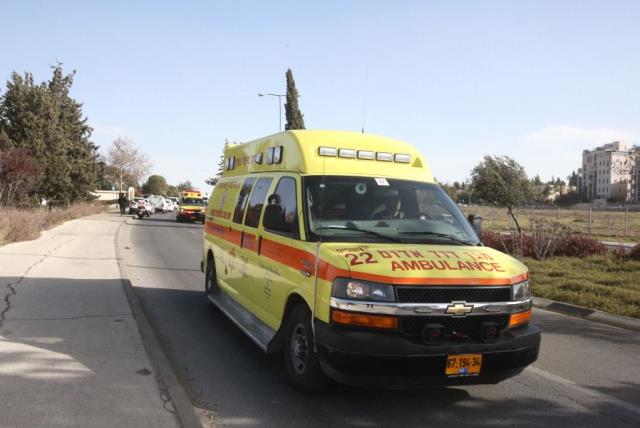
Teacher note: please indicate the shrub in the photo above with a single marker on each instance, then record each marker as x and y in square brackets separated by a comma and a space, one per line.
[24, 224]
[546, 236]
[508, 242]
[576, 245]
[634, 254]
[581, 246]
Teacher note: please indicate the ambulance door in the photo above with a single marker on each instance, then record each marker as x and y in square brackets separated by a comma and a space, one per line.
[290, 264]
[254, 266]
[218, 229]
[237, 262]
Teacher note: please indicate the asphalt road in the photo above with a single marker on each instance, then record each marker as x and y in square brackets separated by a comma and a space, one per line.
[588, 374]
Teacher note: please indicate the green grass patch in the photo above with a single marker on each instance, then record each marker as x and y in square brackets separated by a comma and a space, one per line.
[597, 282]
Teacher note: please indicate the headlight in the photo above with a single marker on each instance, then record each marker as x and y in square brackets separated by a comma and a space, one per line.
[521, 291]
[356, 289]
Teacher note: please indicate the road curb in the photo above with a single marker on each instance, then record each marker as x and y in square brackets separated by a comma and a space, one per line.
[587, 314]
[186, 413]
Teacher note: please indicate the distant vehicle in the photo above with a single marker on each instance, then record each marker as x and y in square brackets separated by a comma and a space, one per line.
[144, 208]
[157, 202]
[133, 205]
[169, 205]
[191, 206]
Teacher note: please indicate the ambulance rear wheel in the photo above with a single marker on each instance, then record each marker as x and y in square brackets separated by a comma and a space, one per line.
[211, 278]
[300, 360]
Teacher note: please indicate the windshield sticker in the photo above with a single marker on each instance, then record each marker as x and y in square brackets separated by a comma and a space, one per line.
[382, 181]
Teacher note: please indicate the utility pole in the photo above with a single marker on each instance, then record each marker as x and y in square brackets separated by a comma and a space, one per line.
[260, 94]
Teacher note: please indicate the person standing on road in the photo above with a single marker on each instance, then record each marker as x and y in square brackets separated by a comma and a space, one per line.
[122, 202]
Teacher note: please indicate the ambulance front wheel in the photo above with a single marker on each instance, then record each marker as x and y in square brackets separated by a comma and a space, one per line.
[300, 360]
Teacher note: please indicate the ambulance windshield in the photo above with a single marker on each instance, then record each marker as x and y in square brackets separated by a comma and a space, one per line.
[192, 201]
[342, 208]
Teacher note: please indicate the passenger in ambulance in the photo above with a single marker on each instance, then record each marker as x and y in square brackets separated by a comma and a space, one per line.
[274, 199]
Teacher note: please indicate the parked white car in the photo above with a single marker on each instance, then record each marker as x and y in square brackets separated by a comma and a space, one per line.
[157, 202]
[169, 206]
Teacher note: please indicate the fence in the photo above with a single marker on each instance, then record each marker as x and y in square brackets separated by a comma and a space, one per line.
[607, 223]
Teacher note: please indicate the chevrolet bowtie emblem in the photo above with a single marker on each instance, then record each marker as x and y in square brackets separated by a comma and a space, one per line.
[459, 309]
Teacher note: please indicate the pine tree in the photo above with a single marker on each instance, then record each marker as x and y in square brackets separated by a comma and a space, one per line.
[82, 154]
[44, 119]
[295, 118]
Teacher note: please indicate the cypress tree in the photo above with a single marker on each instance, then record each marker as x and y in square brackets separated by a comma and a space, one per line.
[213, 180]
[295, 118]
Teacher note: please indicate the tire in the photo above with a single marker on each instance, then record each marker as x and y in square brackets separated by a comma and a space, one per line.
[301, 363]
[210, 277]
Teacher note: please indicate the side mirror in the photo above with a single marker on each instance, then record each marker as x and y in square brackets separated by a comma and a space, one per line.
[274, 218]
[476, 223]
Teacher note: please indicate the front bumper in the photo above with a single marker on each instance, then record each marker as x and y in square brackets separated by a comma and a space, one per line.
[191, 216]
[359, 357]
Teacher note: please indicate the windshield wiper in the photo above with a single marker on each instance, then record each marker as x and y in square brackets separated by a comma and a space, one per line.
[367, 231]
[438, 235]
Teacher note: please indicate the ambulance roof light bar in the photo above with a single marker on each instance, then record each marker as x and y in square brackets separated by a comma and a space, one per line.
[364, 154]
[327, 151]
[402, 158]
[384, 156]
[347, 153]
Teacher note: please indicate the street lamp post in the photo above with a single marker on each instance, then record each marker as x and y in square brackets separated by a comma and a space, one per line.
[260, 94]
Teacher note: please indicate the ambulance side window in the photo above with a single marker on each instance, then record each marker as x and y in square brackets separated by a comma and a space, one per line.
[283, 200]
[243, 198]
[257, 201]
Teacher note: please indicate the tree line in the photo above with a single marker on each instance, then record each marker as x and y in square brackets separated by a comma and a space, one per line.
[503, 173]
[46, 152]
[125, 166]
[45, 147]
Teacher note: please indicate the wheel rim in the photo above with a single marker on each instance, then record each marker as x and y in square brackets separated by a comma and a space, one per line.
[299, 348]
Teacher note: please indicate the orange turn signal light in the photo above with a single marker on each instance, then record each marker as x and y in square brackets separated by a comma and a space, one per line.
[520, 318]
[363, 320]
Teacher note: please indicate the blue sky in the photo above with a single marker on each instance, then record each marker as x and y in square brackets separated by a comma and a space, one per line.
[538, 81]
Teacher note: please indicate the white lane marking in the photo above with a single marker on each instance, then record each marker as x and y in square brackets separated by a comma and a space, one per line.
[584, 390]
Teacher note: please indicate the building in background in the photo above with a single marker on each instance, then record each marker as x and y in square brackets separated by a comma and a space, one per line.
[635, 176]
[610, 172]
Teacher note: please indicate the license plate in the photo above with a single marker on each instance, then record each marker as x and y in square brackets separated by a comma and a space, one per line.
[459, 365]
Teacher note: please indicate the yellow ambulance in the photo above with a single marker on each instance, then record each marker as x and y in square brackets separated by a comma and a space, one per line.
[339, 250]
[191, 206]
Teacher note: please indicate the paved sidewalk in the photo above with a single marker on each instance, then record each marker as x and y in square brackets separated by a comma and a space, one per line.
[70, 350]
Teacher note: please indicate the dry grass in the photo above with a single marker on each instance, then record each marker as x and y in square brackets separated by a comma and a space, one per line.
[19, 224]
[597, 282]
[605, 225]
